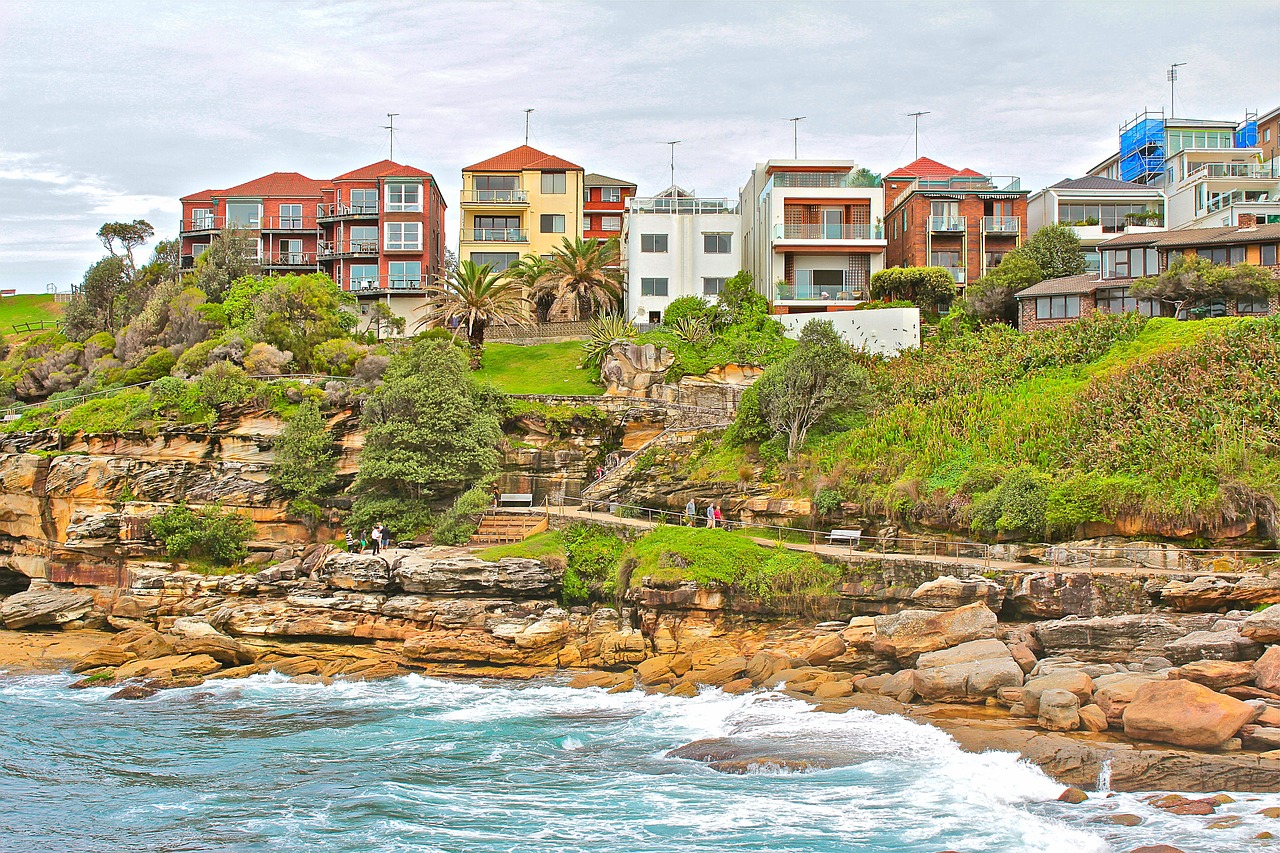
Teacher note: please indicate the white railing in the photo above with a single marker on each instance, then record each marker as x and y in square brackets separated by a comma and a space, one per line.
[946, 223]
[496, 196]
[365, 284]
[288, 223]
[683, 206]
[289, 259]
[957, 273]
[203, 223]
[1234, 170]
[819, 231]
[1002, 224]
[329, 249]
[499, 235]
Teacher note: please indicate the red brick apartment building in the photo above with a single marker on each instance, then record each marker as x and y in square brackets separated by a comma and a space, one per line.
[604, 205]
[1133, 256]
[964, 221]
[378, 231]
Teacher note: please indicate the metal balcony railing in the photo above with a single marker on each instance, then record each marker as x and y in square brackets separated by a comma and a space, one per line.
[682, 206]
[367, 284]
[946, 223]
[1002, 224]
[957, 273]
[1234, 170]
[819, 231]
[347, 211]
[288, 223]
[202, 223]
[499, 235]
[289, 259]
[334, 248]
[495, 196]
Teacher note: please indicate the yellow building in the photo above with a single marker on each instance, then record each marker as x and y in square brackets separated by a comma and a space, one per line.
[520, 202]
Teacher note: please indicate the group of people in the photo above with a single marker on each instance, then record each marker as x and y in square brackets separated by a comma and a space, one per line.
[377, 538]
[713, 515]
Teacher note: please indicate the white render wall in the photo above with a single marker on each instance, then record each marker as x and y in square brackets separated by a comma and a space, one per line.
[684, 264]
[879, 331]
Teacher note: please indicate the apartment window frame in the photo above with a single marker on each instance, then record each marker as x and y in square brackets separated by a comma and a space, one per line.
[548, 222]
[713, 285]
[610, 223]
[408, 273]
[496, 223]
[290, 216]
[202, 218]
[198, 249]
[1066, 307]
[365, 202]
[399, 197]
[1253, 305]
[255, 221]
[1267, 253]
[717, 243]
[402, 243]
[501, 261]
[1120, 300]
[555, 183]
[611, 195]
[359, 276]
[655, 286]
[655, 244]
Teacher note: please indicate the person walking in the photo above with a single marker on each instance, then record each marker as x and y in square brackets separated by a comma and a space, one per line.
[386, 537]
[719, 517]
[599, 473]
[690, 513]
[375, 536]
[364, 541]
[711, 516]
[351, 543]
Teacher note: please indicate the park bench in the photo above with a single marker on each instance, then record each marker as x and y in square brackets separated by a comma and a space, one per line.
[853, 537]
[515, 499]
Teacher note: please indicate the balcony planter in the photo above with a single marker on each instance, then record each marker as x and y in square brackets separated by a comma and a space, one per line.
[786, 291]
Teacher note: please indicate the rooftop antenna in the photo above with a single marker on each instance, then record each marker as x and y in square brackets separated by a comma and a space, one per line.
[916, 116]
[391, 128]
[526, 125]
[673, 143]
[795, 136]
[1173, 78]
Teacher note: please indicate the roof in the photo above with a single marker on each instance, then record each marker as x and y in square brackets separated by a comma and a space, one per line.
[1070, 286]
[1093, 182]
[203, 195]
[287, 184]
[519, 159]
[923, 167]
[594, 180]
[383, 169]
[1186, 238]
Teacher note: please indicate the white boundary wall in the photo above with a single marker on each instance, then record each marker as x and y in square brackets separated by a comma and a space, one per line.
[880, 331]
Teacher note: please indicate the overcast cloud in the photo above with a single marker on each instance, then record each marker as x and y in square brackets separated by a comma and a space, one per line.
[112, 110]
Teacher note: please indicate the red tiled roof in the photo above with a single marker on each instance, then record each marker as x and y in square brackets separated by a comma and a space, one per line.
[924, 168]
[383, 169]
[969, 173]
[283, 184]
[520, 158]
[203, 195]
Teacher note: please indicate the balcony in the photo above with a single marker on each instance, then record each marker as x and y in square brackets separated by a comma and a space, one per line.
[496, 197]
[499, 235]
[1234, 170]
[1009, 225]
[348, 248]
[202, 224]
[288, 223]
[947, 224]
[839, 286]
[334, 212]
[682, 206]
[818, 231]
[366, 285]
[957, 273]
[293, 260]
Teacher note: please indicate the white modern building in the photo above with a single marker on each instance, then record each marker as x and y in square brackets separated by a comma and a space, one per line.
[678, 245]
[812, 237]
[1097, 209]
[1211, 187]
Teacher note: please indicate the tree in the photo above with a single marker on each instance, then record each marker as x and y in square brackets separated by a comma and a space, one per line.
[297, 313]
[1055, 250]
[382, 318]
[1191, 282]
[925, 286]
[528, 272]
[740, 300]
[818, 378]
[864, 177]
[992, 298]
[95, 306]
[472, 299]
[305, 460]
[130, 235]
[232, 254]
[586, 272]
[430, 431]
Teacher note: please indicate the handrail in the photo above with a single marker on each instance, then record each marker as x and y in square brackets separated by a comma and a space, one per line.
[1002, 224]
[499, 235]
[947, 223]
[513, 196]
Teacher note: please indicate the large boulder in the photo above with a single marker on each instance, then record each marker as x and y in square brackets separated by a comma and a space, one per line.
[1267, 670]
[1184, 713]
[1109, 639]
[1114, 693]
[1074, 681]
[361, 572]
[631, 370]
[1213, 593]
[1058, 710]
[44, 607]
[913, 632]
[947, 592]
[515, 577]
[1217, 674]
[1263, 626]
[1225, 644]
[969, 672]
[825, 649]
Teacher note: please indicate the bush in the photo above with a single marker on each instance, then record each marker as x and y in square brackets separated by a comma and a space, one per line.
[686, 307]
[827, 501]
[210, 532]
[158, 364]
[222, 384]
[1019, 503]
[458, 524]
[593, 555]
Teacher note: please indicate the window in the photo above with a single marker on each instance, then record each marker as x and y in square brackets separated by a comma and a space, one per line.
[404, 235]
[717, 244]
[291, 252]
[712, 286]
[1253, 305]
[1266, 135]
[1268, 258]
[612, 194]
[993, 259]
[1230, 255]
[404, 197]
[553, 183]
[1235, 255]
[1116, 300]
[653, 242]
[364, 238]
[653, 287]
[499, 261]
[1057, 307]
[404, 274]
[364, 201]
[362, 276]
[243, 214]
[290, 216]
[611, 223]
[497, 222]
[496, 188]
[505, 228]
[552, 223]
[202, 218]
[199, 249]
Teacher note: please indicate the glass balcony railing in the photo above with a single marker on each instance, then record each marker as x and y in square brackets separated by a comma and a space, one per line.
[203, 223]
[946, 223]
[828, 231]
[329, 249]
[682, 206]
[347, 211]
[957, 273]
[364, 284]
[499, 235]
[289, 259]
[495, 196]
[1002, 224]
[1234, 170]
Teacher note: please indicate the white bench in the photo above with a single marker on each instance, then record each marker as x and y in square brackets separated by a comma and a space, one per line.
[515, 499]
[853, 537]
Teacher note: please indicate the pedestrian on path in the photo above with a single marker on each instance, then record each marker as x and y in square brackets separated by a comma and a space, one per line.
[690, 513]
[386, 537]
[351, 543]
[599, 473]
[719, 517]
[711, 516]
[376, 538]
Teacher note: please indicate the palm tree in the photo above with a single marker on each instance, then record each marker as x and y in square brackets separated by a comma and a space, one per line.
[528, 272]
[473, 297]
[586, 270]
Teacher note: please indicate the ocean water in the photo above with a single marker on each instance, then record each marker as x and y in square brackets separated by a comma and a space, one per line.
[416, 764]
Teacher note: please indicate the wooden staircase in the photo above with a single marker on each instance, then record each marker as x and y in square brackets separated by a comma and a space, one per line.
[498, 528]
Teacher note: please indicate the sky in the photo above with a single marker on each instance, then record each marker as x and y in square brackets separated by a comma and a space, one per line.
[112, 109]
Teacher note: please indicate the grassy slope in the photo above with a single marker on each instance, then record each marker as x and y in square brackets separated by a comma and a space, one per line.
[27, 308]
[541, 369]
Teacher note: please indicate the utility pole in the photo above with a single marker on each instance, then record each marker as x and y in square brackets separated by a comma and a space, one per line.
[795, 136]
[391, 129]
[526, 125]
[673, 143]
[1173, 78]
[916, 116]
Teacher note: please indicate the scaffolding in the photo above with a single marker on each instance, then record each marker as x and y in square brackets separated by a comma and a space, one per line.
[1247, 131]
[1142, 147]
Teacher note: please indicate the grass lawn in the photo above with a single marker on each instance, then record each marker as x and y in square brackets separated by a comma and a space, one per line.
[27, 308]
[541, 369]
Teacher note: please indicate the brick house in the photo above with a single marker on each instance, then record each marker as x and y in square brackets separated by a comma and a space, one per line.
[958, 219]
[604, 206]
[1132, 256]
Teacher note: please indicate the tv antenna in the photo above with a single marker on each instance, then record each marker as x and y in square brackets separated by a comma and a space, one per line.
[391, 129]
[916, 116]
[526, 125]
[1173, 78]
[795, 136]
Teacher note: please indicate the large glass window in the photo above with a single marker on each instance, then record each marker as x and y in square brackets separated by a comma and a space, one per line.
[653, 242]
[406, 197]
[364, 238]
[201, 218]
[1253, 305]
[290, 216]
[712, 286]
[1268, 255]
[553, 183]
[1057, 307]
[404, 274]
[364, 201]
[551, 223]
[495, 187]
[1223, 255]
[717, 244]
[362, 276]
[499, 261]
[653, 287]
[1116, 300]
[404, 235]
[611, 223]
[241, 214]
[611, 194]
[498, 222]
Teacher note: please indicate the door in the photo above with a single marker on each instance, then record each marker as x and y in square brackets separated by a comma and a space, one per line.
[291, 252]
[832, 223]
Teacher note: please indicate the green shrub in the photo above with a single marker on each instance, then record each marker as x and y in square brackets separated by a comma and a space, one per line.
[224, 384]
[827, 501]
[686, 307]
[158, 364]
[1019, 503]
[210, 532]
[456, 525]
[593, 555]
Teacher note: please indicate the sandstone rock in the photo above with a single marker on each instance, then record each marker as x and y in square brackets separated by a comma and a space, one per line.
[1074, 681]
[833, 690]
[1093, 719]
[1263, 626]
[1267, 670]
[685, 689]
[1202, 593]
[311, 679]
[655, 671]
[631, 370]
[193, 627]
[1184, 713]
[626, 684]
[765, 664]
[1217, 674]
[1213, 645]
[516, 577]
[219, 647]
[1124, 819]
[722, 673]
[134, 691]
[825, 649]
[913, 632]
[1073, 795]
[593, 679]
[742, 685]
[106, 656]
[969, 652]
[1109, 639]
[970, 672]
[468, 647]
[948, 593]
[1059, 710]
[1260, 737]
[1114, 694]
[363, 572]
[143, 642]
[1023, 655]
[44, 606]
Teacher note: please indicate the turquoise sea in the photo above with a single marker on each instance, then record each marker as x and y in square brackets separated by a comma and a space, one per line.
[416, 764]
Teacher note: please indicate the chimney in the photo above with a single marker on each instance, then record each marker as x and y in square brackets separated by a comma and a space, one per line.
[1246, 220]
